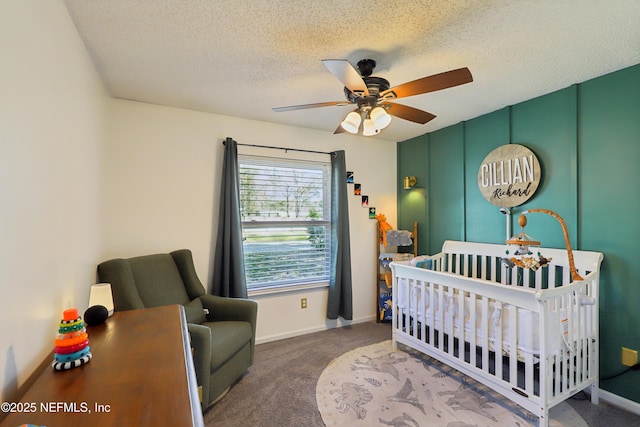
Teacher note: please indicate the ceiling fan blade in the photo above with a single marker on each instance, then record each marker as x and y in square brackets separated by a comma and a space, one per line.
[431, 84]
[305, 106]
[349, 76]
[339, 129]
[409, 113]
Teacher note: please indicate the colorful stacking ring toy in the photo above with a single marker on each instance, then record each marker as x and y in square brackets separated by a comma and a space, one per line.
[71, 348]
[72, 356]
[64, 366]
[72, 342]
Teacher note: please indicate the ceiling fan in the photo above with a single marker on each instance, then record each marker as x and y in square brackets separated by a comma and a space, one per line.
[371, 95]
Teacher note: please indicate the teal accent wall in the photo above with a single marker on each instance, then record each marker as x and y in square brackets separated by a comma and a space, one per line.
[587, 138]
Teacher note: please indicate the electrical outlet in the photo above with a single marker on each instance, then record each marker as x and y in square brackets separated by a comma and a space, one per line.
[629, 357]
[303, 303]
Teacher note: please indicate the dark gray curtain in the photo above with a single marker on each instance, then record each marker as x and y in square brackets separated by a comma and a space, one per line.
[228, 265]
[340, 295]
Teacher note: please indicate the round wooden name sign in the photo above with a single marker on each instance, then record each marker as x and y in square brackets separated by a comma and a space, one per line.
[509, 175]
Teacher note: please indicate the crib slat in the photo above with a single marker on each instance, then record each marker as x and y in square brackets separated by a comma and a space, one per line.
[566, 278]
[423, 288]
[440, 325]
[578, 338]
[504, 276]
[461, 325]
[553, 376]
[552, 276]
[554, 387]
[474, 265]
[473, 324]
[464, 265]
[526, 278]
[565, 361]
[406, 321]
[414, 307]
[499, 335]
[483, 267]
[513, 346]
[538, 278]
[447, 320]
[569, 301]
[485, 334]
[433, 295]
[514, 276]
[402, 310]
[528, 374]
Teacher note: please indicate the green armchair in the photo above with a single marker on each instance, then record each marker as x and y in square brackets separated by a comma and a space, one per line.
[222, 330]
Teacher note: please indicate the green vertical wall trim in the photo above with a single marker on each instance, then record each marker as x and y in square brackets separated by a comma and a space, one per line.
[587, 138]
[578, 237]
[511, 124]
[464, 187]
[425, 244]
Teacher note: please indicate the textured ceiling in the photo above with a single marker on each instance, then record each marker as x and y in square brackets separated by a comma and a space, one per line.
[243, 57]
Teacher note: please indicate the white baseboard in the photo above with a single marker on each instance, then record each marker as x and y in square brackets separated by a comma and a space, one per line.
[619, 401]
[329, 324]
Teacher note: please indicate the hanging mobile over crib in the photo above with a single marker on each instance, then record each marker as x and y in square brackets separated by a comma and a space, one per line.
[522, 254]
[520, 250]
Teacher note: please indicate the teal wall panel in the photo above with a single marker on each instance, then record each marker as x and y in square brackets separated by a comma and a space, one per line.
[446, 186]
[412, 204]
[548, 126]
[609, 201]
[587, 138]
[483, 221]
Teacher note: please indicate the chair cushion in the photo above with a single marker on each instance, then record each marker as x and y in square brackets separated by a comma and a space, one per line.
[194, 312]
[227, 338]
[158, 280]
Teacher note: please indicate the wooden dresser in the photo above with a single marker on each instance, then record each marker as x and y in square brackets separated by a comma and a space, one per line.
[141, 374]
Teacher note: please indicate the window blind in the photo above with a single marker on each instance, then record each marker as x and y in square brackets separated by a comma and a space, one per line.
[285, 209]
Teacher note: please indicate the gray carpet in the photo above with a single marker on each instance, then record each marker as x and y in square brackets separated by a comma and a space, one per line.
[280, 388]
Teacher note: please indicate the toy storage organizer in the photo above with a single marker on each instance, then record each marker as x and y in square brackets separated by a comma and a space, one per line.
[384, 278]
[530, 335]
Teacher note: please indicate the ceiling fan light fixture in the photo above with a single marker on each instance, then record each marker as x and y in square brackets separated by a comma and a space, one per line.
[370, 95]
[351, 123]
[380, 117]
[369, 128]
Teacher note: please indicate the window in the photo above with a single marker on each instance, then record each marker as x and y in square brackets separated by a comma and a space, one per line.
[286, 221]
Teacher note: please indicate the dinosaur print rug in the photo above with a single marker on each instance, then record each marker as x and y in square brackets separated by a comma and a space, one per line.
[375, 386]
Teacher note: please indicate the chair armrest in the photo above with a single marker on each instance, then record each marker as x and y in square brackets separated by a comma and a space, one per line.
[222, 308]
[201, 343]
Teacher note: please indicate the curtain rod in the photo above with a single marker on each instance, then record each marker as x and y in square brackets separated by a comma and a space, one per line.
[282, 148]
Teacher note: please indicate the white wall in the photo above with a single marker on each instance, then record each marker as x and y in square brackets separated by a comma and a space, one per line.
[162, 178]
[52, 115]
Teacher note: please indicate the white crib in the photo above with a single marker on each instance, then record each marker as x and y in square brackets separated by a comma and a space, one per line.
[530, 335]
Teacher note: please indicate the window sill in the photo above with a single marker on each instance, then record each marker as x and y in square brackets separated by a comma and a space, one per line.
[286, 289]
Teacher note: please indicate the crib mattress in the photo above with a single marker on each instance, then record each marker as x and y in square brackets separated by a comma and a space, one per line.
[527, 323]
